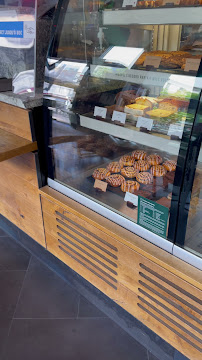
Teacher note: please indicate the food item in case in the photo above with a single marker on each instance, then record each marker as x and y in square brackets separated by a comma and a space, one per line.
[160, 113]
[129, 172]
[158, 170]
[112, 108]
[169, 105]
[170, 165]
[130, 186]
[114, 167]
[139, 154]
[115, 180]
[127, 160]
[144, 178]
[141, 165]
[135, 109]
[154, 159]
[143, 193]
[100, 173]
[147, 101]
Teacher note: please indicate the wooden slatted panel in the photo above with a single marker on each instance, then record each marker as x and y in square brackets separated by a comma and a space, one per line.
[15, 120]
[167, 304]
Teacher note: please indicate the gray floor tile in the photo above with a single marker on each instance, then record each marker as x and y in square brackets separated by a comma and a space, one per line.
[4, 328]
[46, 295]
[86, 309]
[12, 255]
[2, 233]
[81, 339]
[10, 287]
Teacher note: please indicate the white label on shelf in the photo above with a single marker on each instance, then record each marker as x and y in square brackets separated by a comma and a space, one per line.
[176, 130]
[131, 198]
[119, 116]
[100, 111]
[129, 3]
[144, 122]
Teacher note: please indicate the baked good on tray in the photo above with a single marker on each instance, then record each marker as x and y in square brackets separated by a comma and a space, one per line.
[158, 170]
[100, 173]
[147, 101]
[136, 109]
[129, 172]
[170, 165]
[139, 154]
[144, 178]
[141, 165]
[154, 159]
[130, 186]
[115, 180]
[160, 113]
[127, 160]
[164, 201]
[114, 167]
[143, 193]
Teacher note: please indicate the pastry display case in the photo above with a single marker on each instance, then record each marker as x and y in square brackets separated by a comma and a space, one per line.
[122, 94]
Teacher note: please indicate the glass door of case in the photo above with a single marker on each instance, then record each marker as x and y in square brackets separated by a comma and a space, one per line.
[122, 87]
[189, 232]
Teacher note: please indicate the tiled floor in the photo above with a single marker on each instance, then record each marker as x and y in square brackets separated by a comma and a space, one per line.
[43, 318]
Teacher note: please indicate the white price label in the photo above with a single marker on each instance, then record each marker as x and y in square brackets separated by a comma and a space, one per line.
[29, 29]
[131, 198]
[100, 111]
[129, 3]
[119, 116]
[144, 122]
[176, 130]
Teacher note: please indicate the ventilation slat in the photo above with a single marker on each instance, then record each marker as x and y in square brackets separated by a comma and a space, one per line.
[87, 267]
[88, 229]
[83, 251]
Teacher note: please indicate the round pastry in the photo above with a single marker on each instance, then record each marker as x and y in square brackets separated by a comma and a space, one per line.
[129, 172]
[100, 173]
[115, 180]
[130, 186]
[139, 154]
[154, 159]
[144, 178]
[170, 165]
[127, 160]
[114, 167]
[141, 165]
[158, 170]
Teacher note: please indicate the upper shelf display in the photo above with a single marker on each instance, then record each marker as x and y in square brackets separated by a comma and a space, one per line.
[171, 16]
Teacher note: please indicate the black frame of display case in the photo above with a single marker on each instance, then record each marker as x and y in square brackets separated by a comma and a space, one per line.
[187, 157]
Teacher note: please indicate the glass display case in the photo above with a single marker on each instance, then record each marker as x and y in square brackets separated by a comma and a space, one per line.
[122, 92]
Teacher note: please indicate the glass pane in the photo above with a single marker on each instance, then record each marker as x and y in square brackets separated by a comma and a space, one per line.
[123, 96]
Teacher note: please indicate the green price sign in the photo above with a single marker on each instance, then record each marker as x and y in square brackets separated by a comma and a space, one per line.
[152, 216]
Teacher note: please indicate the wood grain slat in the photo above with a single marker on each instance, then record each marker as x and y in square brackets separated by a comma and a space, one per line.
[15, 120]
[12, 145]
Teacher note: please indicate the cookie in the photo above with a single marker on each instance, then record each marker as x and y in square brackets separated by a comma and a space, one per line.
[114, 167]
[144, 178]
[139, 154]
[100, 173]
[129, 172]
[154, 159]
[115, 180]
[170, 165]
[126, 160]
[141, 165]
[158, 170]
[130, 186]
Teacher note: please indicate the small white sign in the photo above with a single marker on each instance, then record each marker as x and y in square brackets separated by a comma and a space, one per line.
[100, 111]
[131, 198]
[29, 29]
[119, 116]
[176, 130]
[129, 3]
[144, 122]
